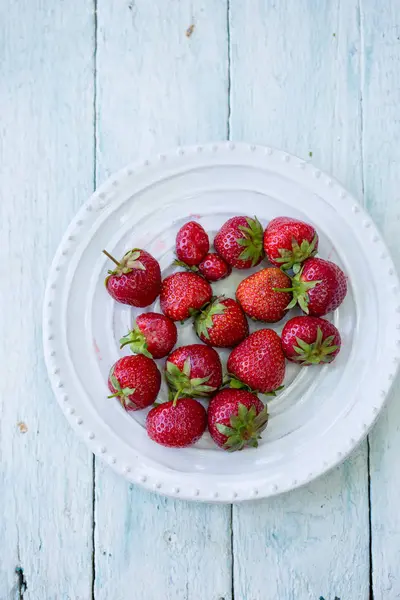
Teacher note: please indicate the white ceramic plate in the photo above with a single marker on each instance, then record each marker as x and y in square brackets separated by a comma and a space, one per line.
[321, 414]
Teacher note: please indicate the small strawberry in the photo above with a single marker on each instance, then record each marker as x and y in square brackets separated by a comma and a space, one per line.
[193, 370]
[319, 288]
[240, 242]
[236, 419]
[135, 381]
[258, 361]
[310, 341]
[192, 243]
[153, 335]
[182, 294]
[257, 296]
[288, 242]
[136, 280]
[214, 268]
[177, 424]
[222, 323]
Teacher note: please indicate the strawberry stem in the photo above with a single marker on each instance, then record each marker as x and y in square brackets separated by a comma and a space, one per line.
[111, 258]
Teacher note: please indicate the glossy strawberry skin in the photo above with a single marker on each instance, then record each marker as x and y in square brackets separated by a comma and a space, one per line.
[159, 331]
[177, 426]
[192, 243]
[214, 268]
[227, 245]
[139, 373]
[139, 287]
[258, 299]
[183, 292]
[306, 328]
[259, 361]
[326, 296]
[228, 329]
[204, 362]
[281, 232]
[224, 405]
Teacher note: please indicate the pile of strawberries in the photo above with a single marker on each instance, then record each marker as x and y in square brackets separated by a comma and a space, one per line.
[235, 416]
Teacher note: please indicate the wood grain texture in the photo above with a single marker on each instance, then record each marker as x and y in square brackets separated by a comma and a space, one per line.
[156, 88]
[296, 85]
[381, 135]
[46, 155]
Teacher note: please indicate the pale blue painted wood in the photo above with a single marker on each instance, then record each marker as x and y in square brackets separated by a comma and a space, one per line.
[381, 135]
[157, 88]
[296, 70]
[46, 155]
[296, 85]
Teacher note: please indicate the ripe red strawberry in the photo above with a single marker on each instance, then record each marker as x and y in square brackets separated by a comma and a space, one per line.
[214, 268]
[193, 370]
[310, 341]
[258, 361]
[154, 335]
[236, 419]
[240, 242]
[192, 243]
[257, 296]
[288, 242]
[319, 288]
[182, 294]
[222, 323]
[136, 280]
[135, 381]
[178, 424]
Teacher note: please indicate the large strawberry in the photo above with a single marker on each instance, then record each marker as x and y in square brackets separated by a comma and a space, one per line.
[184, 293]
[310, 341]
[153, 335]
[240, 242]
[257, 296]
[177, 424]
[288, 242]
[193, 370]
[192, 243]
[214, 268]
[222, 323]
[236, 419]
[319, 288]
[258, 361]
[135, 381]
[136, 280]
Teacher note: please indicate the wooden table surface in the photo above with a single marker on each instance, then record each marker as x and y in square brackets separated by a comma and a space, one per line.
[86, 87]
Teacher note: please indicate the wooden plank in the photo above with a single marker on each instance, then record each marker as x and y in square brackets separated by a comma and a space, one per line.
[380, 26]
[157, 87]
[296, 85]
[46, 154]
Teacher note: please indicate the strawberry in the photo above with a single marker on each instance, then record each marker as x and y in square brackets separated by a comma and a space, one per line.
[178, 424]
[288, 242]
[192, 243]
[153, 335]
[258, 362]
[310, 341]
[136, 280]
[239, 242]
[257, 296]
[193, 370]
[222, 323]
[182, 294]
[214, 268]
[135, 381]
[319, 288]
[236, 419]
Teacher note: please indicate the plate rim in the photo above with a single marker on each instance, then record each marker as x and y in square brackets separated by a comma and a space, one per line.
[89, 434]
